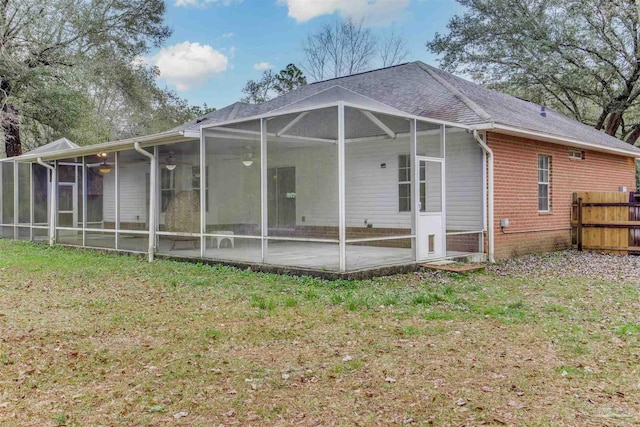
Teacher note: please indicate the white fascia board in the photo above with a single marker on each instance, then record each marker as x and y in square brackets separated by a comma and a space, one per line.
[560, 140]
[124, 144]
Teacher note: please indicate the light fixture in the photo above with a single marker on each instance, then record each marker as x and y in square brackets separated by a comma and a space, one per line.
[171, 163]
[103, 154]
[247, 157]
[104, 167]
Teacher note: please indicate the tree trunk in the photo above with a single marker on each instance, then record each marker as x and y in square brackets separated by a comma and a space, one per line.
[633, 136]
[613, 123]
[11, 128]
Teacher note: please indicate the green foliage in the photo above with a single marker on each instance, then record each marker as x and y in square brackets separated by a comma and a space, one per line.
[577, 56]
[271, 85]
[71, 68]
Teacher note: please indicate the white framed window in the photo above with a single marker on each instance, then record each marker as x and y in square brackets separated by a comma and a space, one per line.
[575, 154]
[404, 183]
[544, 183]
[195, 184]
[167, 187]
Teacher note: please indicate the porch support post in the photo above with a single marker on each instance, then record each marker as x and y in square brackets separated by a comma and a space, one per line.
[263, 191]
[52, 200]
[84, 201]
[203, 196]
[31, 209]
[443, 186]
[152, 198]
[1, 196]
[342, 230]
[117, 197]
[415, 189]
[16, 200]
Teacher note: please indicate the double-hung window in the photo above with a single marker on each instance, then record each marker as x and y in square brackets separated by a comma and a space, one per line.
[544, 183]
[167, 187]
[404, 183]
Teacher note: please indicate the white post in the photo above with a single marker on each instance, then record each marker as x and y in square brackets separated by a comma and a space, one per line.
[342, 229]
[443, 188]
[264, 224]
[117, 197]
[84, 201]
[152, 198]
[1, 197]
[31, 209]
[52, 200]
[16, 200]
[203, 195]
[415, 188]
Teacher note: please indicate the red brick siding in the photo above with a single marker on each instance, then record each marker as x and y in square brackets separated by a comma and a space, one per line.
[516, 190]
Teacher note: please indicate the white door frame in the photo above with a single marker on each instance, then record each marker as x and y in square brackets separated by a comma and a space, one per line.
[430, 223]
[74, 211]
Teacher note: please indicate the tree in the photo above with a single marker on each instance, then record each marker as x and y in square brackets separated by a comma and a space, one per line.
[347, 47]
[581, 57]
[49, 47]
[393, 50]
[257, 92]
[288, 79]
[340, 49]
[271, 85]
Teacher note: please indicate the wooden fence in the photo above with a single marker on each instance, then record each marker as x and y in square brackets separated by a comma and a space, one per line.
[606, 222]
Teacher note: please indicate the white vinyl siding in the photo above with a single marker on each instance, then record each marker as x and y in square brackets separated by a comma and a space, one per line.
[544, 169]
[372, 190]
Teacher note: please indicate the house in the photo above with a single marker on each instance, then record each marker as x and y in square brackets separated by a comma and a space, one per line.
[390, 167]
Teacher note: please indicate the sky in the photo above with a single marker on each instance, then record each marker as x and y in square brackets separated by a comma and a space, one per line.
[218, 45]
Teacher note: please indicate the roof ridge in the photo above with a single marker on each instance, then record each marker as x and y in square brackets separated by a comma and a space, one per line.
[358, 74]
[456, 92]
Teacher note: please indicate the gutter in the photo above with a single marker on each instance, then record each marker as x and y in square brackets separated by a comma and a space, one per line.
[168, 137]
[152, 197]
[489, 152]
[52, 202]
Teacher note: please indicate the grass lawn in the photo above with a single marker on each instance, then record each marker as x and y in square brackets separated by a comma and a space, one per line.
[92, 339]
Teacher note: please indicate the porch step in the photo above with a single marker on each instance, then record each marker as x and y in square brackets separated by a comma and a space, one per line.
[453, 266]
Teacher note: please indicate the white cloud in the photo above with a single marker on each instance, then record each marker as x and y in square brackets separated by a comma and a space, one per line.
[227, 35]
[187, 64]
[262, 66]
[373, 12]
[203, 3]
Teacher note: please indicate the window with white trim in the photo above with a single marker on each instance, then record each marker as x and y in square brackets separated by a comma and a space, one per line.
[544, 181]
[404, 183]
[167, 187]
[195, 184]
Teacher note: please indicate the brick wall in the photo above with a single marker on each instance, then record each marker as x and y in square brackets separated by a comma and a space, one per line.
[516, 191]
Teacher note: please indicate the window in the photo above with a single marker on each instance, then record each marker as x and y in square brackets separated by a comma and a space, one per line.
[167, 187]
[404, 183]
[195, 184]
[544, 168]
[575, 154]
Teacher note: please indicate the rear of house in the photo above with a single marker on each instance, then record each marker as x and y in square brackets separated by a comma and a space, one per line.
[388, 168]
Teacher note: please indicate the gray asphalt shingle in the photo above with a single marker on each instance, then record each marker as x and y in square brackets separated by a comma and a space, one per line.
[422, 90]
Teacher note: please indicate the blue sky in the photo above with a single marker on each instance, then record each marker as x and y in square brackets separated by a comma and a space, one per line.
[217, 45]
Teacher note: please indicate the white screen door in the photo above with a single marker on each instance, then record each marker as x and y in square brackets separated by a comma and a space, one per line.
[430, 209]
[67, 204]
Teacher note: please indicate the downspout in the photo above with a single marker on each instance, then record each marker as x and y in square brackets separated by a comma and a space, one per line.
[52, 203]
[489, 152]
[152, 197]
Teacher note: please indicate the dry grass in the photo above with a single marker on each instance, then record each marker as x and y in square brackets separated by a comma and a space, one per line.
[93, 339]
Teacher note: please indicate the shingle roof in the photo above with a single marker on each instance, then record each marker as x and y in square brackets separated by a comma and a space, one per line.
[422, 90]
